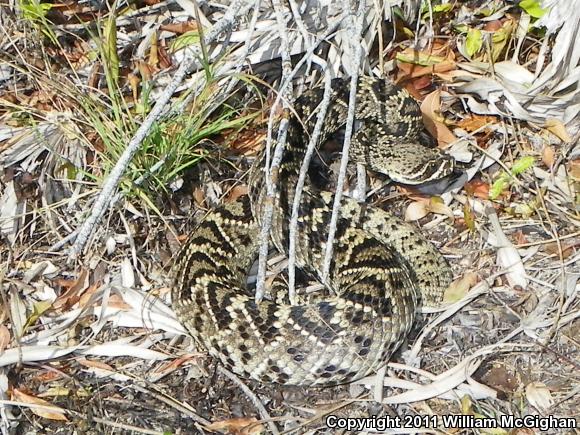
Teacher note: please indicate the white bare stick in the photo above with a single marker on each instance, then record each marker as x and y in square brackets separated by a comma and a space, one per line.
[360, 191]
[286, 93]
[238, 8]
[267, 214]
[354, 28]
[293, 227]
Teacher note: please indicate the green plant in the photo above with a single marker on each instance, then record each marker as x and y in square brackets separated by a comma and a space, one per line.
[506, 178]
[35, 12]
[172, 146]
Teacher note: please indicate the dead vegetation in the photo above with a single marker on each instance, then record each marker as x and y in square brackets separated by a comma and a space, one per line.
[101, 181]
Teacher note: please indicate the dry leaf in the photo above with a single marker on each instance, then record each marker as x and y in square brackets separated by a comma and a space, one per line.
[74, 292]
[557, 128]
[476, 122]
[422, 207]
[548, 156]
[492, 26]
[87, 295]
[198, 196]
[416, 210]
[539, 396]
[508, 258]
[574, 170]
[236, 192]
[116, 301]
[172, 365]
[238, 426]
[413, 63]
[95, 364]
[56, 392]
[153, 58]
[4, 338]
[434, 121]
[134, 82]
[437, 206]
[48, 410]
[127, 273]
[478, 189]
[247, 142]
[501, 379]
[180, 28]
[459, 288]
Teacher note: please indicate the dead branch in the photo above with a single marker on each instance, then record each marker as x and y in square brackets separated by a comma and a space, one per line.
[237, 9]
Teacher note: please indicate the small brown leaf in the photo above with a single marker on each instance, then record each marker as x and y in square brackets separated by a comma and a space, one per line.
[180, 28]
[476, 122]
[478, 188]
[134, 81]
[434, 121]
[493, 26]
[95, 364]
[236, 192]
[73, 294]
[459, 288]
[45, 409]
[499, 378]
[238, 426]
[4, 338]
[198, 196]
[548, 155]
[558, 129]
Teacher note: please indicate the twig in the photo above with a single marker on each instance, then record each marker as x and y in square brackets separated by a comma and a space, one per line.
[236, 9]
[285, 83]
[271, 167]
[250, 394]
[293, 226]
[354, 30]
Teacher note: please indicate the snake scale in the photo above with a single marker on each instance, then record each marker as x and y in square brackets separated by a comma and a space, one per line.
[382, 267]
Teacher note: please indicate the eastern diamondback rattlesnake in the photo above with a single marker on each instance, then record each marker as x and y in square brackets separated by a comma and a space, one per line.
[382, 268]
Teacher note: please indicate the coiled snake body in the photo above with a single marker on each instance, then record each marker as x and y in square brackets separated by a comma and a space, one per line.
[382, 267]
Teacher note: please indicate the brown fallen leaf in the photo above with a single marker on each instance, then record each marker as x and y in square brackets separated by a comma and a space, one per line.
[247, 142]
[95, 364]
[477, 188]
[459, 288]
[548, 156]
[45, 409]
[74, 292]
[4, 338]
[423, 206]
[180, 28]
[236, 192]
[116, 301]
[172, 365]
[238, 426]
[501, 379]
[413, 64]
[475, 122]
[434, 121]
[198, 196]
[558, 129]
